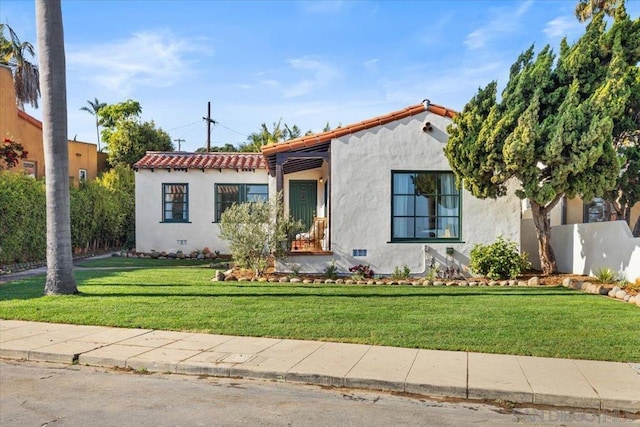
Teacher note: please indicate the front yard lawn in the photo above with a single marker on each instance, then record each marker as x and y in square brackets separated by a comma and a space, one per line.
[542, 321]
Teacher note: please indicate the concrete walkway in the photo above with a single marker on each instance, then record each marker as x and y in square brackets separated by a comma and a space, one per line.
[533, 380]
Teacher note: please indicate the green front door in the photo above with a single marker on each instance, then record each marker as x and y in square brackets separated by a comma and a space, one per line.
[303, 201]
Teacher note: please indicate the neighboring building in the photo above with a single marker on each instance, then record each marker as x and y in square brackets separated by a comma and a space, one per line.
[378, 192]
[84, 160]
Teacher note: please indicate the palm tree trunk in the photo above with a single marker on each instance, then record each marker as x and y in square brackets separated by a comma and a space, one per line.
[98, 132]
[60, 279]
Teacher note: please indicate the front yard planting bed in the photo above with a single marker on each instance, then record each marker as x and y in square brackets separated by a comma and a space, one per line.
[548, 321]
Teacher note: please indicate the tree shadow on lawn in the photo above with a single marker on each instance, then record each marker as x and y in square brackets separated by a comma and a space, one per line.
[326, 295]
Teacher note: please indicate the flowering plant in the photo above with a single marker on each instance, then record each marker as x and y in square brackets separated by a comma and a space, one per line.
[361, 271]
[11, 152]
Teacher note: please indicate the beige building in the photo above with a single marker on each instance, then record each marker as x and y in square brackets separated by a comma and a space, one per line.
[84, 160]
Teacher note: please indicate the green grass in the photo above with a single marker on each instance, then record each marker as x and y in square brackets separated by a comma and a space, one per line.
[113, 262]
[551, 322]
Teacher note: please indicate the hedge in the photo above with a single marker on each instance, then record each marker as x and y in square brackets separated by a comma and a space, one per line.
[102, 215]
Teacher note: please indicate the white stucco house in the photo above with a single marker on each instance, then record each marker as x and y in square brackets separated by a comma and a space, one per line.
[378, 192]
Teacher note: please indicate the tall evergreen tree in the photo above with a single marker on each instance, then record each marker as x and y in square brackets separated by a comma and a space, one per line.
[553, 128]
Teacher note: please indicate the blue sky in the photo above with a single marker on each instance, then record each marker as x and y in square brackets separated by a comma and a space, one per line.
[305, 62]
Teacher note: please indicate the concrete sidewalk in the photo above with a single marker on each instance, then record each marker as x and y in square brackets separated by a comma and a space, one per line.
[534, 380]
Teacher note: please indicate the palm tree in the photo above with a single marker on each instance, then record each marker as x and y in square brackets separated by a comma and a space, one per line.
[585, 9]
[60, 278]
[93, 109]
[13, 54]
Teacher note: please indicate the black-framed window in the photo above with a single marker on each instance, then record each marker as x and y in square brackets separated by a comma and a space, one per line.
[596, 211]
[229, 194]
[175, 202]
[425, 206]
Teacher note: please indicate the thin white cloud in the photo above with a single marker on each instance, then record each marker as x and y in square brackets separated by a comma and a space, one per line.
[371, 64]
[503, 21]
[322, 73]
[562, 26]
[323, 7]
[153, 59]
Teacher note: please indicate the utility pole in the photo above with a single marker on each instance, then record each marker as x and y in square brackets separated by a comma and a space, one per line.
[179, 141]
[209, 123]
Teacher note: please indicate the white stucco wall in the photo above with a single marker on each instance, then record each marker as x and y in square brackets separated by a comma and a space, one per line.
[585, 248]
[200, 231]
[361, 166]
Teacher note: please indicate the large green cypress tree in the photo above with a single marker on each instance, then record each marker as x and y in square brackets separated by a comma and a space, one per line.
[552, 129]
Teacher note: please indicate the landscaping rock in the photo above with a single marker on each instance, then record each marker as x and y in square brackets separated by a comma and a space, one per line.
[230, 278]
[638, 301]
[522, 283]
[534, 281]
[427, 283]
[452, 283]
[349, 282]
[329, 281]
[339, 282]
[627, 298]
[371, 282]
[307, 281]
[566, 282]
[262, 279]
[604, 291]
[463, 283]
[504, 283]
[493, 283]
[632, 299]
[614, 291]
[172, 255]
[295, 280]
[284, 280]
[220, 276]
[512, 283]
[380, 282]
[200, 256]
[621, 294]
[317, 281]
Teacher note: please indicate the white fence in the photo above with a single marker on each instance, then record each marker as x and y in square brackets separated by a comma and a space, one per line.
[584, 248]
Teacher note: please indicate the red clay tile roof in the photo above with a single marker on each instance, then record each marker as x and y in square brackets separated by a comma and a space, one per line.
[320, 138]
[178, 160]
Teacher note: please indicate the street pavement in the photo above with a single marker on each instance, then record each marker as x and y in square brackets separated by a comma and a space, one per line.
[605, 386]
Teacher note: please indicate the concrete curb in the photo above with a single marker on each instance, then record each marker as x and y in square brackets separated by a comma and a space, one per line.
[607, 386]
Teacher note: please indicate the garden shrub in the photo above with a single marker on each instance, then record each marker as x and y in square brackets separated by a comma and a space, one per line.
[361, 272]
[498, 260]
[256, 232]
[399, 274]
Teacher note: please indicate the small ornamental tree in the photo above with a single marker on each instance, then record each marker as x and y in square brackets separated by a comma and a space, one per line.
[257, 232]
[552, 130]
[11, 152]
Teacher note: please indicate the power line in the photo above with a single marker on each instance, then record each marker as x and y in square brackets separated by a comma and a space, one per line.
[183, 126]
